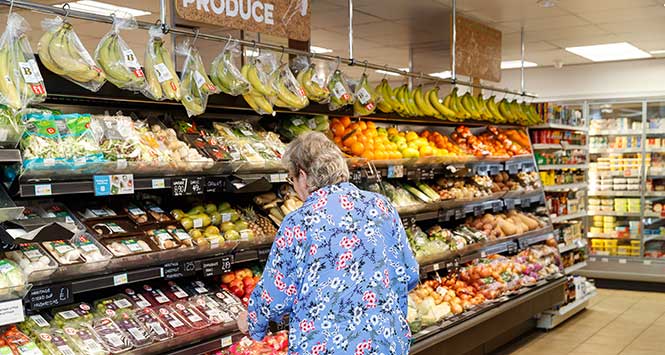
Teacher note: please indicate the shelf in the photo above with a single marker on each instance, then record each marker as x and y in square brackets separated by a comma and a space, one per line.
[562, 127]
[614, 213]
[563, 166]
[566, 187]
[627, 193]
[627, 268]
[478, 250]
[201, 341]
[562, 146]
[617, 132]
[568, 217]
[653, 215]
[656, 150]
[614, 150]
[654, 194]
[552, 318]
[10, 156]
[655, 131]
[579, 243]
[572, 305]
[608, 236]
[571, 269]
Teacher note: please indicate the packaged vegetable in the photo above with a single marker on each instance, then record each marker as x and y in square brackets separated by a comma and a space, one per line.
[163, 239]
[63, 252]
[117, 138]
[34, 324]
[41, 145]
[33, 259]
[312, 80]
[76, 135]
[53, 342]
[138, 299]
[110, 228]
[61, 51]
[173, 320]
[117, 305]
[157, 212]
[90, 250]
[138, 214]
[118, 61]
[224, 72]
[58, 210]
[128, 246]
[157, 330]
[22, 83]
[196, 86]
[12, 279]
[84, 339]
[71, 314]
[20, 343]
[175, 292]
[290, 93]
[162, 79]
[211, 308]
[110, 335]
[181, 235]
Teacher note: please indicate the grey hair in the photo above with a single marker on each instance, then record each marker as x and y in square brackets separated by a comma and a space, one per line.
[319, 158]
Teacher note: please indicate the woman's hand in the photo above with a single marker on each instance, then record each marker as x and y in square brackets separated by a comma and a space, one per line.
[242, 322]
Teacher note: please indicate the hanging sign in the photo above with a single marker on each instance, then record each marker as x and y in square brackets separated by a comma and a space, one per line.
[282, 18]
[477, 50]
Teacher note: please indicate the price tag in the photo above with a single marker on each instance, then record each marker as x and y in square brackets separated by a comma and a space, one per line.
[50, 296]
[263, 254]
[187, 186]
[217, 266]
[513, 168]
[510, 203]
[497, 206]
[395, 171]
[494, 169]
[120, 279]
[592, 259]
[43, 190]
[227, 341]
[477, 210]
[459, 213]
[178, 269]
[622, 261]
[163, 73]
[443, 216]
[481, 170]
[647, 262]
[525, 203]
[105, 185]
[130, 58]
[158, 184]
[605, 260]
[11, 312]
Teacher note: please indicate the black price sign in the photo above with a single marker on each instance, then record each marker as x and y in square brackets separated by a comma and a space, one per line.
[494, 169]
[263, 254]
[216, 266]
[412, 174]
[214, 184]
[179, 269]
[513, 168]
[510, 203]
[497, 206]
[459, 213]
[477, 210]
[443, 216]
[187, 186]
[50, 296]
[526, 203]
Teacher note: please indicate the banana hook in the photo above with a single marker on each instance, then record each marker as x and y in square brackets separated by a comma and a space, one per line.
[65, 7]
[339, 61]
[282, 55]
[196, 35]
[11, 7]
[365, 70]
[385, 72]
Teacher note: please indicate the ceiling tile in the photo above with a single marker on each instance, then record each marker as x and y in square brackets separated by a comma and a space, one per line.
[566, 33]
[339, 19]
[586, 40]
[400, 9]
[578, 6]
[512, 10]
[641, 26]
[622, 15]
[552, 23]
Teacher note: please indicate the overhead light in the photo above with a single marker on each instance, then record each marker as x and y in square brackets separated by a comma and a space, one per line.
[319, 50]
[546, 3]
[512, 64]
[380, 71]
[442, 74]
[658, 51]
[104, 9]
[610, 51]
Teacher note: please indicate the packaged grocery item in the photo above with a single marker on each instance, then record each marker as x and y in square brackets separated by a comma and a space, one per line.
[261, 72]
[290, 93]
[31, 212]
[53, 342]
[155, 296]
[179, 153]
[99, 212]
[41, 145]
[19, 343]
[181, 235]
[111, 228]
[33, 260]
[173, 320]
[224, 72]
[138, 299]
[162, 79]
[312, 80]
[58, 210]
[34, 324]
[76, 135]
[175, 292]
[135, 330]
[138, 214]
[189, 312]
[84, 339]
[340, 93]
[163, 239]
[157, 212]
[91, 251]
[196, 86]
[118, 139]
[129, 245]
[67, 315]
[150, 320]
[118, 304]
[12, 279]
[211, 308]
[197, 287]
[229, 303]
[110, 335]
[63, 252]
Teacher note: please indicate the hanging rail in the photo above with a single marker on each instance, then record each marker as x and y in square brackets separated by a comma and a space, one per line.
[48, 9]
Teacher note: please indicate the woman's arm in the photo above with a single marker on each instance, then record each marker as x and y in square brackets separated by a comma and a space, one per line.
[274, 294]
[410, 263]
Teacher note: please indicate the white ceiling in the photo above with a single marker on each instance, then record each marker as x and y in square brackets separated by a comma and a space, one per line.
[384, 30]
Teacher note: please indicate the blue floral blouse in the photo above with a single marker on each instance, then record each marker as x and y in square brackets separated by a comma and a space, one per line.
[341, 268]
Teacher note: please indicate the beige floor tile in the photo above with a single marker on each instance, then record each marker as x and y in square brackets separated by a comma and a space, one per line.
[596, 349]
[632, 351]
[619, 340]
[632, 316]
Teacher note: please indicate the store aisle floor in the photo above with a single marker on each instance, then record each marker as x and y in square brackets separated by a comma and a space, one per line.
[616, 322]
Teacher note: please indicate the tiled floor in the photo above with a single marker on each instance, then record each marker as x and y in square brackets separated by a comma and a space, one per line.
[616, 322]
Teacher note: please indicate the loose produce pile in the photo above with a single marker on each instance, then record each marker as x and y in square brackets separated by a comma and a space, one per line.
[133, 320]
[479, 282]
[438, 240]
[492, 142]
[241, 282]
[274, 344]
[521, 182]
[278, 205]
[505, 224]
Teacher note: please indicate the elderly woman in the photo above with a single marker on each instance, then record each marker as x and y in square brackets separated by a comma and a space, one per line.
[340, 266]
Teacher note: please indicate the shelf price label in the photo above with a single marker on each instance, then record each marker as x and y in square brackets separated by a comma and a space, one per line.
[176, 270]
[459, 213]
[395, 171]
[50, 296]
[482, 170]
[497, 206]
[43, 190]
[513, 168]
[11, 312]
[525, 203]
[187, 186]
[477, 210]
[217, 266]
[109, 185]
[215, 184]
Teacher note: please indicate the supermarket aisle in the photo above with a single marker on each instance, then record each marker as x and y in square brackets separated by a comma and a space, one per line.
[617, 322]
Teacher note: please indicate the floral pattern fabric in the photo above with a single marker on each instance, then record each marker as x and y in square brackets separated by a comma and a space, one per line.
[341, 268]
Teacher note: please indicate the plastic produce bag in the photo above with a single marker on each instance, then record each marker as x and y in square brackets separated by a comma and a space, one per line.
[196, 86]
[365, 99]
[313, 81]
[22, 83]
[160, 74]
[225, 74]
[290, 94]
[261, 73]
[340, 93]
[120, 64]
[61, 51]
[41, 144]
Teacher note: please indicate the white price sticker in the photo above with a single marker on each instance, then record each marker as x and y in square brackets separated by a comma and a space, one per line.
[122, 303]
[163, 73]
[91, 345]
[647, 262]
[199, 79]
[319, 80]
[33, 254]
[130, 58]
[136, 333]
[194, 318]
[226, 341]
[339, 90]
[114, 339]
[622, 261]
[226, 217]
[175, 323]
[89, 248]
[11, 312]
[43, 190]
[68, 314]
[157, 328]
[66, 350]
[39, 320]
[198, 222]
[121, 164]
[158, 184]
[363, 96]
[120, 279]
[28, 73]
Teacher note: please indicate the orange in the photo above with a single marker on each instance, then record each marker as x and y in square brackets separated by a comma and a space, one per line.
[353, 126]
[346, 121]
[368, 154]
[371, 125]
[379, 146]
[357, 148]
[380, 155]
[369, 146]
[425, 134]
[337, 129]
[348, 142]
[362, 138]
[392, 131]
[338, 140]
[362, 125]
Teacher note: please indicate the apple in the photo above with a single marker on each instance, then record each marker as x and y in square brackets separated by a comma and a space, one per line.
[228, 277]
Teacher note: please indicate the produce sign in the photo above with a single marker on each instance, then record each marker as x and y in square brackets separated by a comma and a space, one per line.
[478, 50]
[284, 18]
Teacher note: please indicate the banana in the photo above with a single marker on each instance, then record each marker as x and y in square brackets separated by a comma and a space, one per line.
[494, 111]
[259, 85]
[312, 89]
[154, 87]
[111, 61]
[388, 94]
[517, 111]
[340, 95]
[192, 99]
[61, 54]
[423, 104]
[226, 76]
[467, 103]
[462, 113]
[433, 96]
[7, 85]
[263, 103]
[506, 112]
[384, 104]
[170, 87]
[44, 56]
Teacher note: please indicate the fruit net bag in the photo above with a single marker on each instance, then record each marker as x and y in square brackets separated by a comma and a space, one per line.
[311, 79]
[340, 93]
[224, 72]
[290, 94]
[22, 83]
[120, 64]
[160, 74]
[260, 73]
[365, 98]
[61, 51]
[195, 85]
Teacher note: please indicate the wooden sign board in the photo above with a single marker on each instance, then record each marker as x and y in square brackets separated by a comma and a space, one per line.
[478, 50]
[282, 18]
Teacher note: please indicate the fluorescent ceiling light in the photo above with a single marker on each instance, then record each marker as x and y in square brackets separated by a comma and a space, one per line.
[610, 51]
[320, 50]
[104, 9]
[391, 73]
[512, 64]
[442, 74]
[658, 51]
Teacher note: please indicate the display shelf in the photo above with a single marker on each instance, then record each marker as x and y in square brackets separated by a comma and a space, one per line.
[654, 194]
[10, 156]
[482, 324]
[616, 132]
[563, 166]
[201, 341]
[568, 217]
[562, 127]
[566, 187]
[656, 150]
[551, 318]
[609, 236]
[625, 268]
[577, 244]
[614, 150]
[630, 193]
[571, 269]
[477, 250]
[562, 146]
[655, 131]
[614, 213]
[654, 215]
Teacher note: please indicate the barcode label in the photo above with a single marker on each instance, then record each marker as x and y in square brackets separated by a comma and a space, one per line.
[91, 345]
[163, 73]
[68, 314]
[194, 318]
[176, 323]
[66, 350]
[136, 333]
[157, 328]
[363, 96]
[339, 90]
[114, 339]
[130, 58]
[122, 303]
[199, 79]
[39, 320]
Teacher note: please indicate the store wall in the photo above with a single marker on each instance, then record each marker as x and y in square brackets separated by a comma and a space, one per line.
[627, 79]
